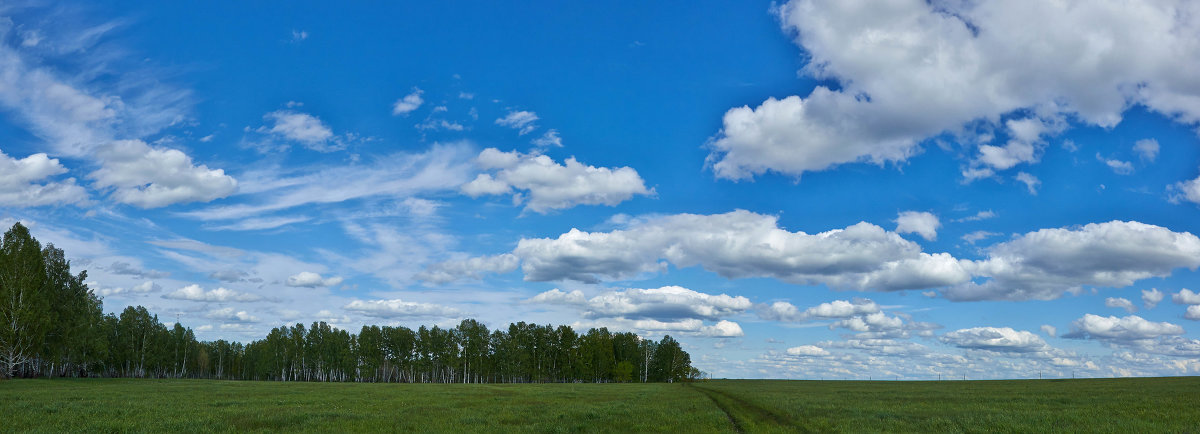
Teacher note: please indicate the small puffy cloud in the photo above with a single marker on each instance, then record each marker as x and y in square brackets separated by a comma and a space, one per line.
[807, 351]
[473, 268]
[408, 103]
[299, 35]
[996, 339]
[303, 128]
[1031, 182]
[784, 311]
[1147, 149]
[229, 275]
[1185, 191]
[397, 308]
[921, 223]
[665, 303]
[1192, 312]
[308, 279]
[548, 185]
[1049, 330]
[1130, 328]
[196, 293]
[723, 329]
[1118, 166]
[1186, 296]
[148, 177]
[1151, 297]
[28, 182]
[1120, 303]
[522, 121]
[141, 288]
[228, 314]
[1045, 263]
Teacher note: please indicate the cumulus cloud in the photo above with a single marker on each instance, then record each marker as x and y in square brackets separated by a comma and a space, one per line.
[807, 351]
[996, 339]
[921, 223]
[303, 128]
[1045, 263]
[1185, 191]
[1134, 332]
[308, 279]
[522, 121]
[665, 303]
[963, 63]
[550, 139]
[741, 244]
[397, 308]
[141, 288]
[1120, 303]
[982, 215]
[149, 177]
[784, 311]
[646, 326]
[1151, 297]
[1049, 330]
[1186, 296]
[196, 293]
[1118, 166]
[474, 268]
[1147, 149]
[230, 315]
[408, 103]
[548, 185]
[29, 182]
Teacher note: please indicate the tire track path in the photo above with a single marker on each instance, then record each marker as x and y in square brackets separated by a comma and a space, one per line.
[743, 414]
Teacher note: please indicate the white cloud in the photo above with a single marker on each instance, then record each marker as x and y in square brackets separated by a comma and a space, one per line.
[1049, 330]
[231, 315]
[148, 177]
[973, 237]
[665, 303]
[397, 308]
[921, 223]
[145, 287]
[549, 185]
[1147, 149]
[308, 279]
[1134, 332]
[1031, 182]
[523, 121]
[408, 103]
[1192, 312]
[550, 139]
[741, 244]
[1186, 296]
[1185, 190]
[475, 267]
[1118, 166]
[299, 35]
[28, 182]
[962, 62]
[1151, 297]
[1120, 303]
[807, 351]
[306, 129]
[982, 215]
[1045, 263]
[398, 175]
[196, 293]
[784, 311]
[996, 339]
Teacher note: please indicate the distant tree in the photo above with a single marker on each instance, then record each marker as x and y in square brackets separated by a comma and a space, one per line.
[623, 371]
[24, 302]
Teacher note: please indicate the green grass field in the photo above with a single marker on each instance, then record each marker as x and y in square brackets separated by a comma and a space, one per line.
[123, 405]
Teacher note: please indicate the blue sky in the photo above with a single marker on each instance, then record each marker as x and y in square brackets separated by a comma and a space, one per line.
[903, 189]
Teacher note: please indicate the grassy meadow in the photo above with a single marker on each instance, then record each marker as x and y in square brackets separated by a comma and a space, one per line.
[125, 405]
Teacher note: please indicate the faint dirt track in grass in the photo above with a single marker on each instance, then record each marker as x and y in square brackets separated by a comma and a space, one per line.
[747, 417]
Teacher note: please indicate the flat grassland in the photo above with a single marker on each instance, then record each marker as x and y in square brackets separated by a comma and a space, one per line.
[125, 405]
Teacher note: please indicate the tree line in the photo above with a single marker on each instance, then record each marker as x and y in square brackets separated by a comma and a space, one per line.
[53, 325]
